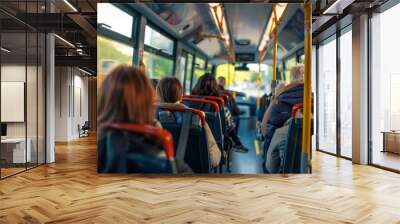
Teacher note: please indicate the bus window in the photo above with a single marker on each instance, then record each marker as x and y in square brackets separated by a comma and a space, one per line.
[158, 55]
[114, 19]
[158, 41]
[302, 59]
[289, 65]
[209, 67]
[199, 70]
[111, 53]
[181, 68]
[157, 66]
[249, 80]
[188, 75]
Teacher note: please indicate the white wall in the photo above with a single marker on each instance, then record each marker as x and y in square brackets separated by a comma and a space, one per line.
[33, 126]
[16, 73]
[71, 102]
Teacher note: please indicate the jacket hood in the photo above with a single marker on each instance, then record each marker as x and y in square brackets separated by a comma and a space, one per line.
[292, 95]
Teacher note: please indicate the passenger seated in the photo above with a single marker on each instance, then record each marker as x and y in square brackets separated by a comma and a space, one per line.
[207, 86]
[234, 109]
[170, 92]
[155, 82]
[275, 122]
[126, 96]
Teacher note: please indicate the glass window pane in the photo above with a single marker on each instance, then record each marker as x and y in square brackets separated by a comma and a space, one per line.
[346, 94]
[111, 53]
[209, 67]
[199, 70]
[14, 151]
[327, 97]
[157, 66]
[188, 75]
[289, 65]
[385, 83]
[251, 82]
[158, 41]
[41, 99]
[181, 70]
[302, 58]
[111, 17]
[314, 92]
[32, 100]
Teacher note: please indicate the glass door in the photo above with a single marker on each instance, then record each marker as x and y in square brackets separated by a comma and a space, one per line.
[22, 69]
[327, 93]
[385, 89]
[346, 94]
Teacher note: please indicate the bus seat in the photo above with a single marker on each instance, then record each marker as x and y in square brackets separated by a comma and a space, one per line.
[225, 96]
[196, 153]
[131, 148]
[221, 103]
[294, 160]
[227, 142]
[213, 118]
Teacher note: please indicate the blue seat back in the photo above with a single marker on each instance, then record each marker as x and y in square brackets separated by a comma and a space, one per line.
[197, 153]
[213, 120]
[121, 151]
[294, 159]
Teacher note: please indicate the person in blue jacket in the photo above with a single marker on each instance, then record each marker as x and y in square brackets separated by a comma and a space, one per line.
[280, 108]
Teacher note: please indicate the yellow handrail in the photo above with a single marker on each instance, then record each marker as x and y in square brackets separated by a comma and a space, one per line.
[306, 135]
[275, 42]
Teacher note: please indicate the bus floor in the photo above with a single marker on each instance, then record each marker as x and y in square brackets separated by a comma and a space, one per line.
[251, 162]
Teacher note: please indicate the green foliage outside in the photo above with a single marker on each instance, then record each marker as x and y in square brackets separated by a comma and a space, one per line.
[289, 65]
[240, 78]
[199, 70]
[111, 50]
[157, 66]
[110, 53]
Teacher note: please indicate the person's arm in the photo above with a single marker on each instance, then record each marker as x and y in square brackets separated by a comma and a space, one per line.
[215, 153]
[264, 122]
[157, 124]
[235, 108]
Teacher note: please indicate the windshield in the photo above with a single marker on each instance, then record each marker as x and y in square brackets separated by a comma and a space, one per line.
[253, 81]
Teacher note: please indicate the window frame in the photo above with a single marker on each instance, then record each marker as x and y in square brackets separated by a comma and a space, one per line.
[332, 37]
[157, 51]
[132, 41]
[197, 56]
[378, 10]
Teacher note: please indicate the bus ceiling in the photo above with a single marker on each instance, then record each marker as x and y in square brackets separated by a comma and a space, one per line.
[230, 32]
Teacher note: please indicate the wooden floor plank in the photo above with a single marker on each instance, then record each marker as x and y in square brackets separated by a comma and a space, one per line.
[70, 191]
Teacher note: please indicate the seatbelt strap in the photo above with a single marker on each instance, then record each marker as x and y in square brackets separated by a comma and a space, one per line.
[184, 135]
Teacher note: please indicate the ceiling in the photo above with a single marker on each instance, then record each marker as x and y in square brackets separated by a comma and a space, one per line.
[192, 21]
[78, 27]
[246, 24]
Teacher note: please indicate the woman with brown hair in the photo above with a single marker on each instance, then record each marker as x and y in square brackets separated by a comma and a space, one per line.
[170, 92]
[126, 96]
[207, 86]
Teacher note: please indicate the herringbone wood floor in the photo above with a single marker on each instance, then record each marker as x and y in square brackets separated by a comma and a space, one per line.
[70, 191]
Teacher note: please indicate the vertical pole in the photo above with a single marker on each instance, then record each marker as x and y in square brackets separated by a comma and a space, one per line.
[338, 95]
[138, 53]
[275, 51]
[306, 135]
[275, 21]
